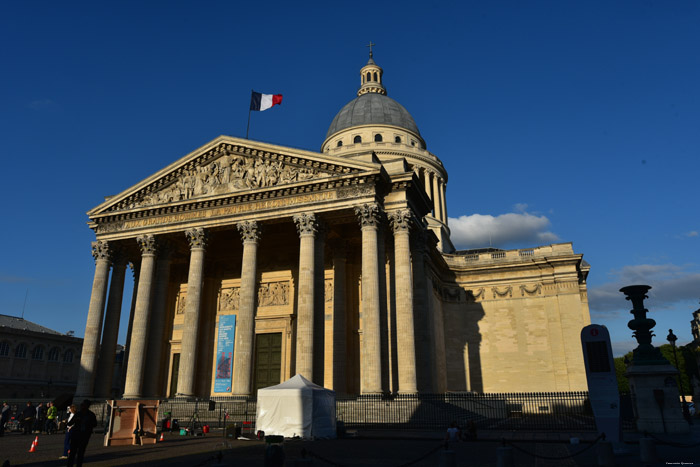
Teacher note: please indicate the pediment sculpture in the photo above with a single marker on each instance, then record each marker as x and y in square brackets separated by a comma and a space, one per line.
[228, 174]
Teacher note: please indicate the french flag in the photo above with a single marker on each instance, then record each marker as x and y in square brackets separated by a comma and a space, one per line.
[260, 101]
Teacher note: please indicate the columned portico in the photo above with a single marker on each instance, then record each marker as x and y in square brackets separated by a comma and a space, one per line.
[400, 223]
[133, 388]
[197, 238]
[371, 350]
[243, 368]
[103, 381]
[307, 226]
[93, 327]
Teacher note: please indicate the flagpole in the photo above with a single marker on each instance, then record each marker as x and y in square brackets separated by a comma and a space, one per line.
[248, 127]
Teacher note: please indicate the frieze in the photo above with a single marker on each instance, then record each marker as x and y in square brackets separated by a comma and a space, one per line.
[181, 303]
[328, 290]
[535, 289]
[475, 294]
[230, 299]
[506, 292]
[355, 191]
[273, 294]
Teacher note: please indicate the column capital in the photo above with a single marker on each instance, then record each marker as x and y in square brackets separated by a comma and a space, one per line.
[101, 250]
[249, 230]
[147, 244]
[197, 238]
[307, 223]
[368, 215]
[401, 220]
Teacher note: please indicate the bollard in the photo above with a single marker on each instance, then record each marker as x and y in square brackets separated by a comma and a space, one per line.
[606, 458]
[447, 458]
[647, 450]
[505, 457]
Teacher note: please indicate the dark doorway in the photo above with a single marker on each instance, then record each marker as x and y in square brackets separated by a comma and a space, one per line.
[268, 359]
[174, 373]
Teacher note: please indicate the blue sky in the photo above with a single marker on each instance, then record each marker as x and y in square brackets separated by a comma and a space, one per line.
[557, 121]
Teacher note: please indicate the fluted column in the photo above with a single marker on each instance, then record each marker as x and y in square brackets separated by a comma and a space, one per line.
[156, 330]
[443, 192]
[93, 327]
[401, 223]
[436, 197]
[319, 303]
[339, 319]
[371, 351]
[245, 323]
[133, 388]
[307, 226]
[110, 333]
[134, 291]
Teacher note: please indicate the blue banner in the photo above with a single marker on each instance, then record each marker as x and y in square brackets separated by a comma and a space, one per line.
[224, 353]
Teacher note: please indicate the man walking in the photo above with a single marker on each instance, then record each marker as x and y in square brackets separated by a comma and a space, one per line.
[51, 414]
[85, 423]
[28, 415]
[4, 417]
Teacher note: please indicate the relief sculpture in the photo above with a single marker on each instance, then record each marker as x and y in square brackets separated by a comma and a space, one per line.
[230, 299]
[228, 174]
[273, 294]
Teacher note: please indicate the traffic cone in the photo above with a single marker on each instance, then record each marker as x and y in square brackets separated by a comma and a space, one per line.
[161, 437]
[33, 448]
[36, 441]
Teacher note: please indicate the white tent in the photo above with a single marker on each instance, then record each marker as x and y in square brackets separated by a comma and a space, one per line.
[296, 407]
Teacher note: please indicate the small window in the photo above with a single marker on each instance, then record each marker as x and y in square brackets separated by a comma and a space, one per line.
[377, 138]
[340, 143]
[4, 349]
[38, 353]
[413, 143]
[53, 354]
[21, 351]
[375, 76]
[369, 76]
[68, 356]
[397, 139]
[358, 139]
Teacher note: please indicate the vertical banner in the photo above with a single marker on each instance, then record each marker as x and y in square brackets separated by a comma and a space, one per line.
[224, 353]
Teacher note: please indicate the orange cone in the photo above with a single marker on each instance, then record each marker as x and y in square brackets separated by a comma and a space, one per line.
[161, 437]
[33, 448]
[36, 441]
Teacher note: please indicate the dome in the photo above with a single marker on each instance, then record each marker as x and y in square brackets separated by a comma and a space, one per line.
[372, 109]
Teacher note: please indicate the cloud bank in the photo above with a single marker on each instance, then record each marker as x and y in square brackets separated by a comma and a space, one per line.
[670, 284]
[515, 229]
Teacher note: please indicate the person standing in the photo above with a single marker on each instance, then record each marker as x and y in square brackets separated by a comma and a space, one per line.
[70, 422]
[39, 421]
[5, 417]
[85, 423]
[51, 414]
[28, 415]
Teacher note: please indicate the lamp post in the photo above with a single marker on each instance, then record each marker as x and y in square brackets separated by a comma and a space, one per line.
[671, 338]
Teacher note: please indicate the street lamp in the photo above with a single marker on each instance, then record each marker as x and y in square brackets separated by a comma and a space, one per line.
[671, 338]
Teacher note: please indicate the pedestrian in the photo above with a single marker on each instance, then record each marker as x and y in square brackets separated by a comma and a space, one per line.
[40, 419]
[85, 423]
[453, 432]
[51, 415]
[28, 415]
[70, 422]
[4, 417]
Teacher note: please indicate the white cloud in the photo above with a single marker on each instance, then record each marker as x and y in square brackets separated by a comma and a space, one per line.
[671, 284]
[692, 233]
[506, 230]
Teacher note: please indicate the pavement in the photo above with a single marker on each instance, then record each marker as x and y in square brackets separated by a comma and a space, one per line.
[392, 448]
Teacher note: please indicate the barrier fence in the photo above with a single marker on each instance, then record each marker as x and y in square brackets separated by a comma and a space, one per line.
[547, 411]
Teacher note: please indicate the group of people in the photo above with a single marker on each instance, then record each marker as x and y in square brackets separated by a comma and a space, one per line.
[79, 425]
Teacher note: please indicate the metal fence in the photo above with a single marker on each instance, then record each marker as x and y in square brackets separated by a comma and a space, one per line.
[547, 411]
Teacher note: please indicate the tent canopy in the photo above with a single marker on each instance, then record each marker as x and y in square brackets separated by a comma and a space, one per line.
[296, 408]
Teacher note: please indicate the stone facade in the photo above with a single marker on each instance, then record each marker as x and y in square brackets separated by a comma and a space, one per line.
[334, 264]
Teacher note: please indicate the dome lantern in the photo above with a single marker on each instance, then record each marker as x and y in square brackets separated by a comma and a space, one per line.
[371, 76]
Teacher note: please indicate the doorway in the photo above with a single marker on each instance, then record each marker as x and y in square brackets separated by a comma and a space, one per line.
[268, 360]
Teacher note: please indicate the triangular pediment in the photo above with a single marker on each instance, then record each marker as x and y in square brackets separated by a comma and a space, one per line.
[230, 166]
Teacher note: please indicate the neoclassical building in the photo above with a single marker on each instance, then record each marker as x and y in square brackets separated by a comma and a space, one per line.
[254, 262]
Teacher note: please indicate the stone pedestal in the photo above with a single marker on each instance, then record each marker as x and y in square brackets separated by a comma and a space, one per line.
[652, 383]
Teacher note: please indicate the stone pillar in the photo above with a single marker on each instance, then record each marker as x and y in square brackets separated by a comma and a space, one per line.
[307, 226]
[401, 223]
[93, 327]
[423, 318]
[339, 319]
[436, 196]
[443, 199]
[245, 323]
[371, 350]
[156, 331]
[133, 388]
[125, 362]
[110, 333]
[319, 304]
[197, 238]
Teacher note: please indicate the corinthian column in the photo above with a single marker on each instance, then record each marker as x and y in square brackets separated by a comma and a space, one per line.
[436, 196]
[156, 329]
[133, 388]
[188, 358]
[245, 324]
[103, 384]
[93, 327]
[371, 351]
[307, 226]
[339, 320]
[400, 223]
[443, 192]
